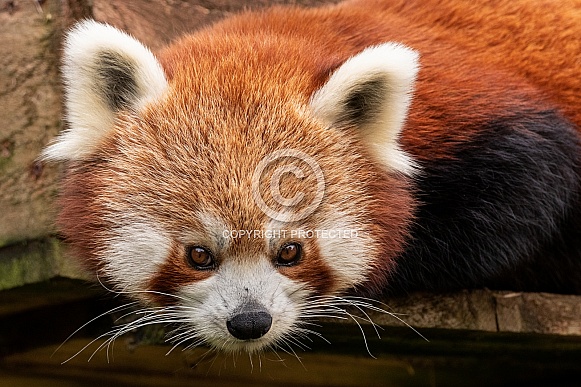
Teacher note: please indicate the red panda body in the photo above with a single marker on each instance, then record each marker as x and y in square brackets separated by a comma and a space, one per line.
[464, 173]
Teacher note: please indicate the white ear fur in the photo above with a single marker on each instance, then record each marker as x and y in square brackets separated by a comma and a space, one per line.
[372, 91]
[105, 70]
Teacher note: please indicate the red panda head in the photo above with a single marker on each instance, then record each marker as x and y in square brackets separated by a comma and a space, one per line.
[234, 181]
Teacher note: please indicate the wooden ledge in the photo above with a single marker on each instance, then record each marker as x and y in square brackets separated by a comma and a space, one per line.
[489, 311]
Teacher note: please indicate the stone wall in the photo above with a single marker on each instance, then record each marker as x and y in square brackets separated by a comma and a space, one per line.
[30, 115]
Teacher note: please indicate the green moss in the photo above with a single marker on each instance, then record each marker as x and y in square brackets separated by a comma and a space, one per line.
[28, 262]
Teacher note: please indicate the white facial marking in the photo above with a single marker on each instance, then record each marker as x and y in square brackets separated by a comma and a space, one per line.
[214, 231]
[345, 247]
[134, 254]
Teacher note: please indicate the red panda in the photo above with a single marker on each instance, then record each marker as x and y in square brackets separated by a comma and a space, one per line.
[281, 163]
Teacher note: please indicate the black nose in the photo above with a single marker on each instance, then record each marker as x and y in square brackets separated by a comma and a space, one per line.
[250, 322]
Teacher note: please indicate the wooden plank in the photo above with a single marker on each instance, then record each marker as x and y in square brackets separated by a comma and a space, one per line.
[538, 313]
[472, 310]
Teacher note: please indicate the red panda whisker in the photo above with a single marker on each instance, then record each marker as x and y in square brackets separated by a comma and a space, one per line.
[138, 292]
[323, 314]
[309, 323]
[304, 332]
[179, 336]
[192, 336]
[151, 317]
[357, 303]
[366, 318]
[195, 343]
[251, 363]
[362, 333]
[278, 358]
[297, 332]
[370, 301]
[330, 305]
[293, 339]
[284, 342]
[187, 333]
[394, 315]
[203, 357]
[116, 309]
[85, 347]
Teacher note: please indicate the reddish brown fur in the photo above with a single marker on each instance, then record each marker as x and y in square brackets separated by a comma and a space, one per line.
[173, 274]
[80, 217]
[140, 152]
[502, 37]
[313, 271]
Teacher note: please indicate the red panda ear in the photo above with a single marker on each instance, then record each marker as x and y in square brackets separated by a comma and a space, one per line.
[105, 71]
[372, 92]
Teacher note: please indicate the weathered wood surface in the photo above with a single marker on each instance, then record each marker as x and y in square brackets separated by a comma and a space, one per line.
[489, 311]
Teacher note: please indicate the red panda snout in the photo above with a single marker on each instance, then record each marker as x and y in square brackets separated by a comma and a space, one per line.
[250, 322]
[246, 307]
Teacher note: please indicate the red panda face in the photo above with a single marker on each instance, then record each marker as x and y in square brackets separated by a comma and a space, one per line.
[241, 204]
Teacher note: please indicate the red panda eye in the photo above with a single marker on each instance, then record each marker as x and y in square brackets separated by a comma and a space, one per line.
[200, 258]
[289, 254]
